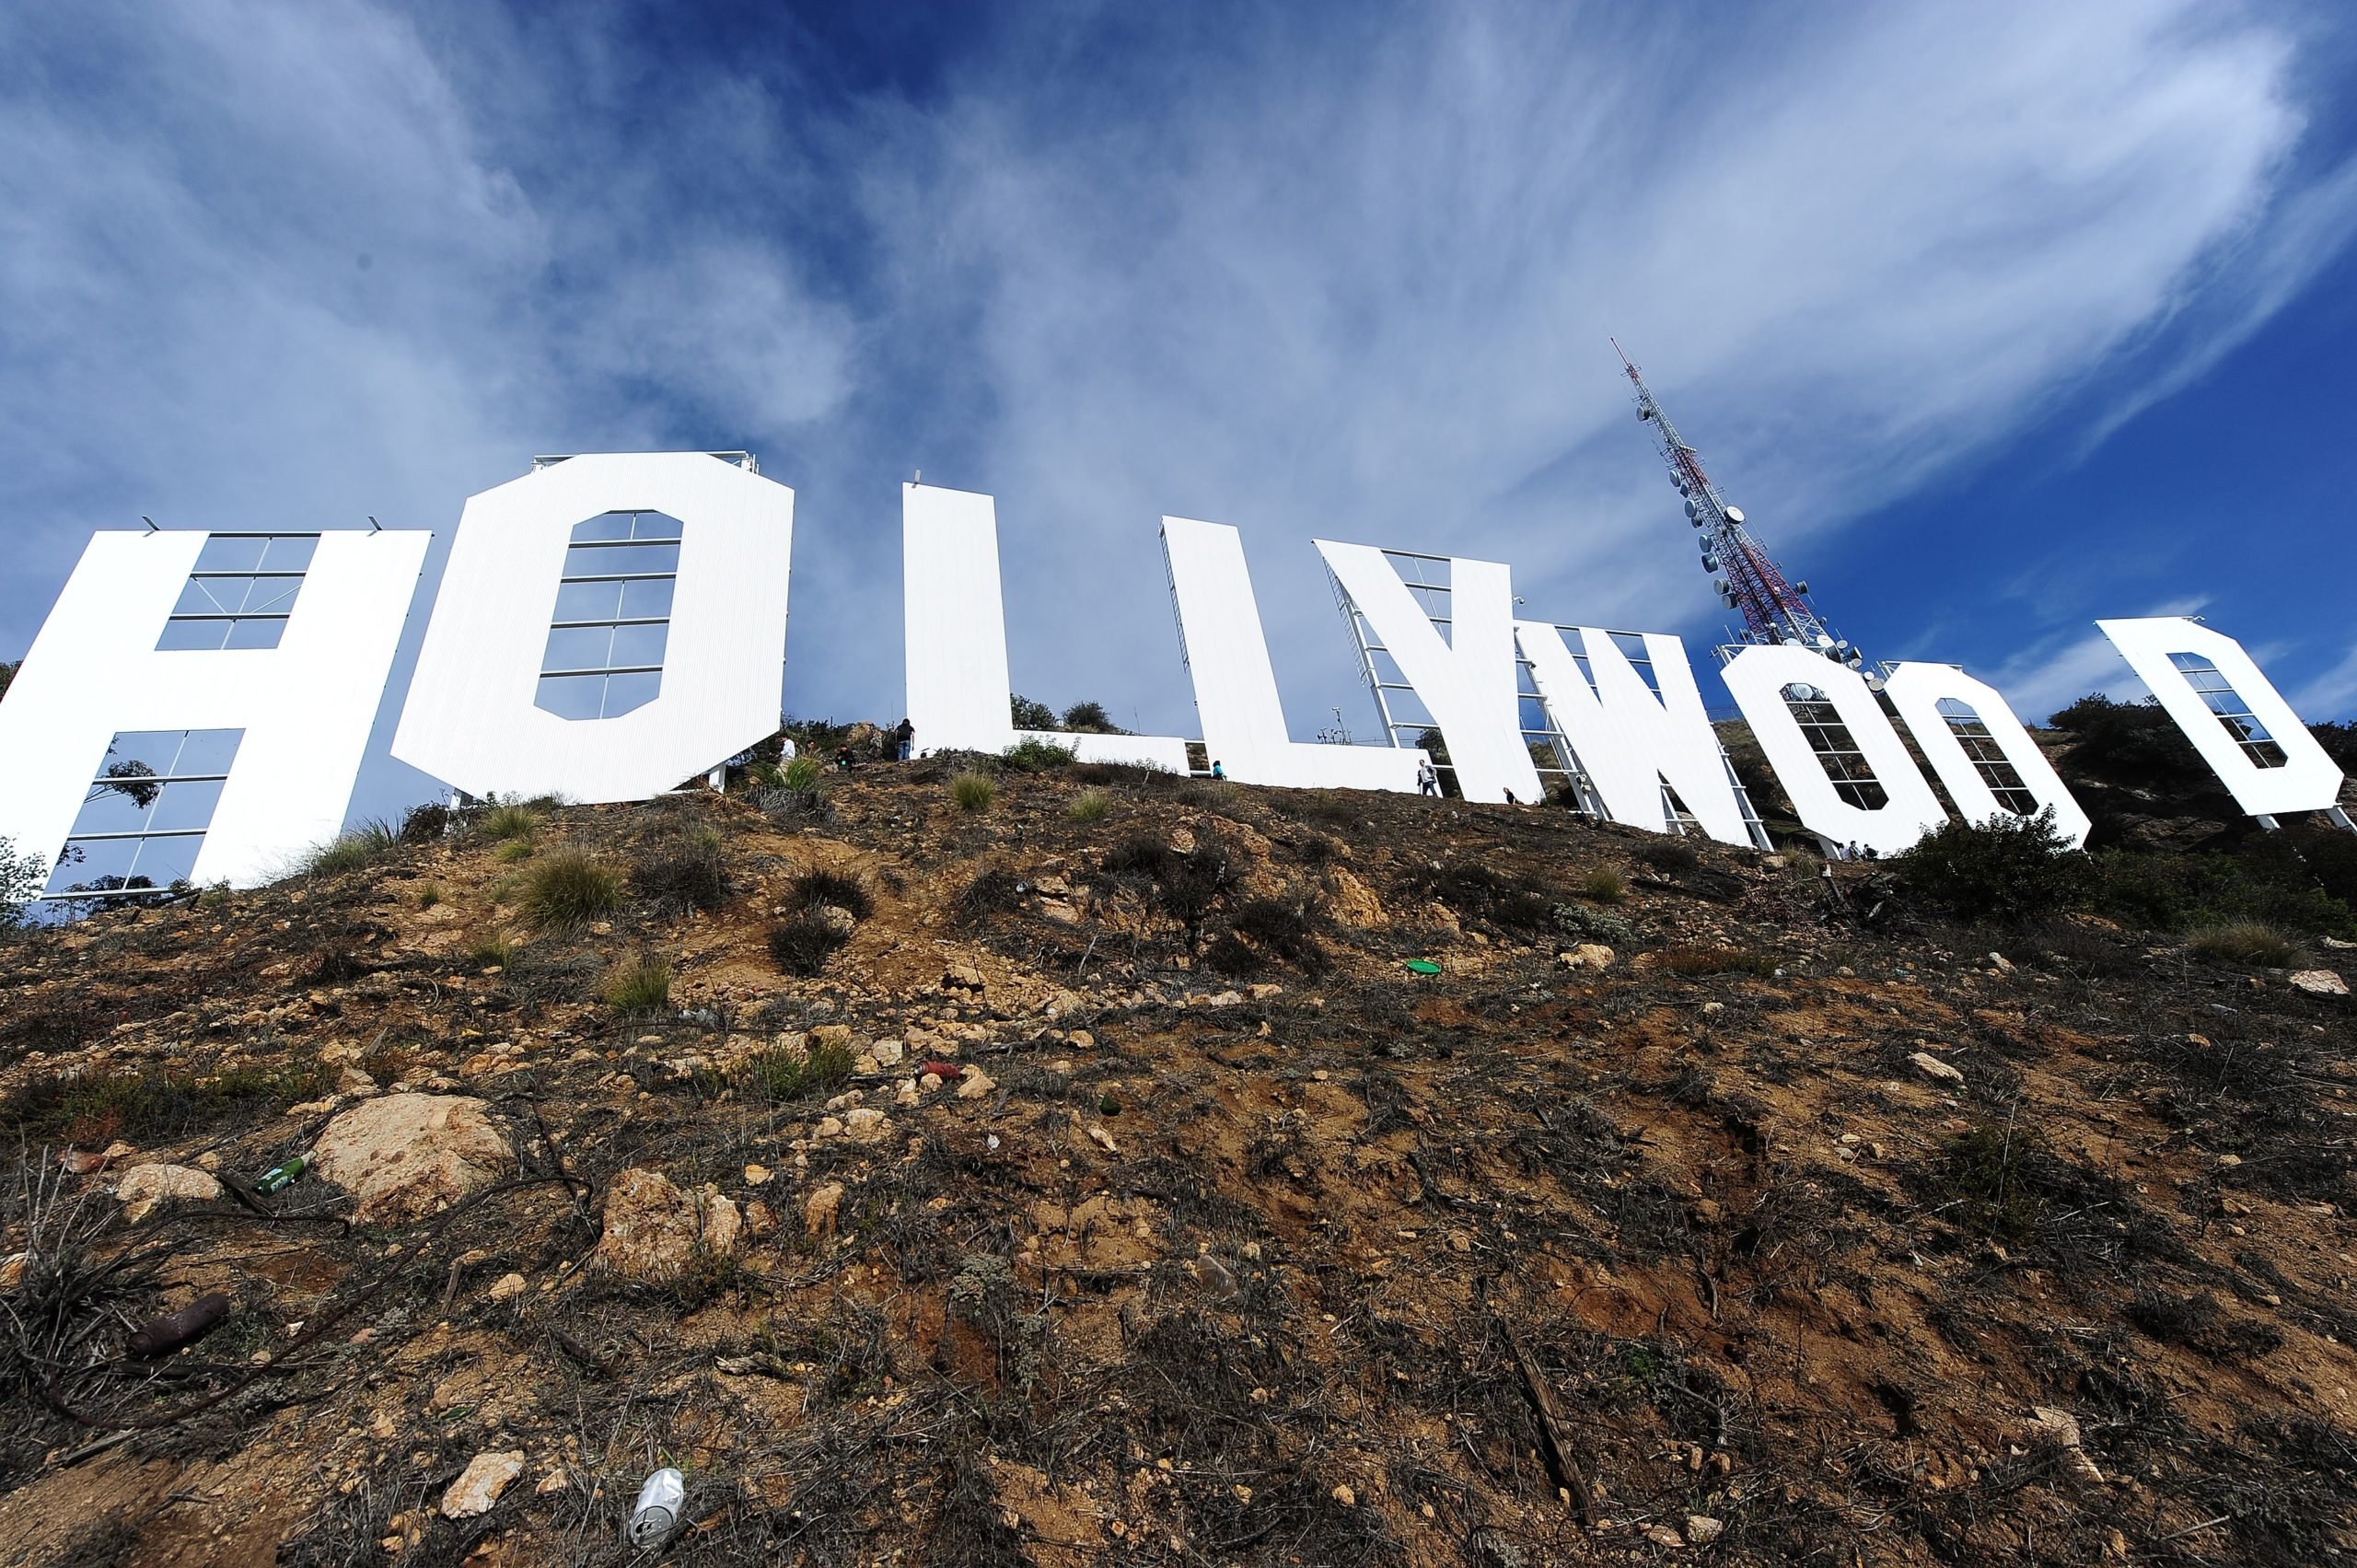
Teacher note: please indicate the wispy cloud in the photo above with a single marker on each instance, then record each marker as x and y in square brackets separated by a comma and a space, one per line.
[2331, 695]
[1345, 272]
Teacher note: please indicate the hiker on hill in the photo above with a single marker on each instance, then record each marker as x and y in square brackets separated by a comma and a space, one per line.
[1218, 772]
[785, 749]
[906, 734]
[1427, 779]
[844, 757]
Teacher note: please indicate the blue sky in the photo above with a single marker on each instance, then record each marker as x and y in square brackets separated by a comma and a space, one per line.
[1995, 318]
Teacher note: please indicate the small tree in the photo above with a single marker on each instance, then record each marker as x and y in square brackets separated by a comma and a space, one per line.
[1089, 717]
[1029, 714]
[7, 675]
[2005, 871]
[21, 876]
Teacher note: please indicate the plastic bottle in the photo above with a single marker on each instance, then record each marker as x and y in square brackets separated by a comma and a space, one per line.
[278, 1178]
[656, 1513]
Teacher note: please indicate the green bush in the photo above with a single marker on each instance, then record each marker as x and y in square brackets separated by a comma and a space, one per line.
[1603, 885]
[1089, 717]
[638, 986]
[492, 949]
[1036, 756]
[21, 876]
[512, 851]
[2187, 892]
[972, 792]
[428, 896]
[2248, 942]
[357, 849]
[568, 888]
[1594, 926]
[1088, 805]
[2005, 871]
[783, 1073]
[1028, 714]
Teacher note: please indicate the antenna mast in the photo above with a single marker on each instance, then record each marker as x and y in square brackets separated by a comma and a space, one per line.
[1773, 611]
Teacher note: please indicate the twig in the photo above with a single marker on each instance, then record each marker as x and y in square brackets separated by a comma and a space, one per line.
[1560, 1457]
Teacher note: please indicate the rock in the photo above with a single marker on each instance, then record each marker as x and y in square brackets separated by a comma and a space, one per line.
[866, 1125]
[1103, 1139]
[2063, 1427]
[554, 1481]
[837, 918]
[1345, 1496]
[2317, 982]
[1588, 956]
[759, 1220]
[1998, 961]
[1662, 1535]
[1081, 1039]
[480, 1485]
[962, 977]
[1353, 902]
[353, 1080]
[1931, 1066]
[1702, 1529]
[888, 1053]
[820, 1210]
[146, 1188]
[654, 1231]
[757, 1175]
[409, 1155]
[508, 1287]
[831, 1127]
[975, 1083]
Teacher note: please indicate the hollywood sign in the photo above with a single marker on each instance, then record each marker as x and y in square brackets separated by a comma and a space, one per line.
[197, 705]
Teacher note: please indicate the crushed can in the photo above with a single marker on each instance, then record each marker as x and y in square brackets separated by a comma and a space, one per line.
[656, 1513]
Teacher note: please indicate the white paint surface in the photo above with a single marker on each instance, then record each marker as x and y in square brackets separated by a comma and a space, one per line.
[2308, 781]
[959, 690]
[471, 719]
[1235, 689]
[1758, 677]
[306, 705]
[1466, 682]
[1630, 741]
[1917, 690]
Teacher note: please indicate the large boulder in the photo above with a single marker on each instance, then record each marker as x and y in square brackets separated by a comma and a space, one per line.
[146, 1188]
[654, 1231]
[406, 1157]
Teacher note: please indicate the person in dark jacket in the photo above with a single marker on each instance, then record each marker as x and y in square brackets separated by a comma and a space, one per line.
[906, 734]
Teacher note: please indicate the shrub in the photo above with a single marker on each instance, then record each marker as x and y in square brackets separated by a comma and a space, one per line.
[21, 876]
[512, 851]
[972, 792]
[801, 945]
[1143, 856]
[500, 824]
[568, 888]
[2248, 942]
[1090, 717]
[819, 888]
[639, 985]
[783, 1073]
[1577, 920]
[680, 870]
[424, 824]
[159, 1103]
[492, 949]
[354, 851]
[1603, 885]
[2006, 870]
[1283, 930]
[428, 896]
[1670, 855]
[993, 890]
[1036, 756]
[1088, 805]
[1028, 714]
[1192, 885]
[1476, 891]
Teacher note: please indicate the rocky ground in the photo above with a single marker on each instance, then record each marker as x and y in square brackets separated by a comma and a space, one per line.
[1119, 1188]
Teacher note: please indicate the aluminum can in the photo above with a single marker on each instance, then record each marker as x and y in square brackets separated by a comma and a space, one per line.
[657, 1511]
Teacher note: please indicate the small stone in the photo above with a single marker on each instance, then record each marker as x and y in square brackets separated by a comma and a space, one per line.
[1702, 1529]
[1932, 1067]
[507, 1287]
[146, 1188]
[975, 1084]
[1103, 1139]
[1082, 1040]
[555, 1480]
[479, 1486]
[888, 1053]
[1588, 956]
[2317, 982]
[1345, 1496]
[820, 1210]
[757, 1175]
[866, 1124]
[1662, 1535]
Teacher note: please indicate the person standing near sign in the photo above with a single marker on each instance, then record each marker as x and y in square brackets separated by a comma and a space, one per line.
[1427, 780]
[906, 734]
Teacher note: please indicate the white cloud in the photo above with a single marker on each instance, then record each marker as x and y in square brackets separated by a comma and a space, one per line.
[2330, 695]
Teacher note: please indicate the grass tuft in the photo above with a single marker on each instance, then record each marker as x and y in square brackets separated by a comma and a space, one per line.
[355, 850]
[2252, 943]
[784, 1074]
[502, 824]
[566, 890]
[1603, 884]
[801, 945]
[819, 888]
[639, 985]
[1088, 805]
[973, 792]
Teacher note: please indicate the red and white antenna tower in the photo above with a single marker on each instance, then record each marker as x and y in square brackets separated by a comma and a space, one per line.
[1773, 609]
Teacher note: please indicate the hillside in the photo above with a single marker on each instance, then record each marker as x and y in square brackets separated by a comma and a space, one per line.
[1696, 1207]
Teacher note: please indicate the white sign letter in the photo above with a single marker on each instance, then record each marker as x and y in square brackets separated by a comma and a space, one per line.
[2231, 712]
[607, 627]
[1979, 747]
[1847, 773]
[197, 705]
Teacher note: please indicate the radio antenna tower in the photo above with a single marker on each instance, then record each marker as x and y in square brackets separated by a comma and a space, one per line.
[1773, 609]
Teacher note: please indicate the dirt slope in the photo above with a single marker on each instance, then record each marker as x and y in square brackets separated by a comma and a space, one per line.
[1759, 1238]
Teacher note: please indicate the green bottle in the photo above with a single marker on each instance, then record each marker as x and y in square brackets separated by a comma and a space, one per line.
[278, 1178]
